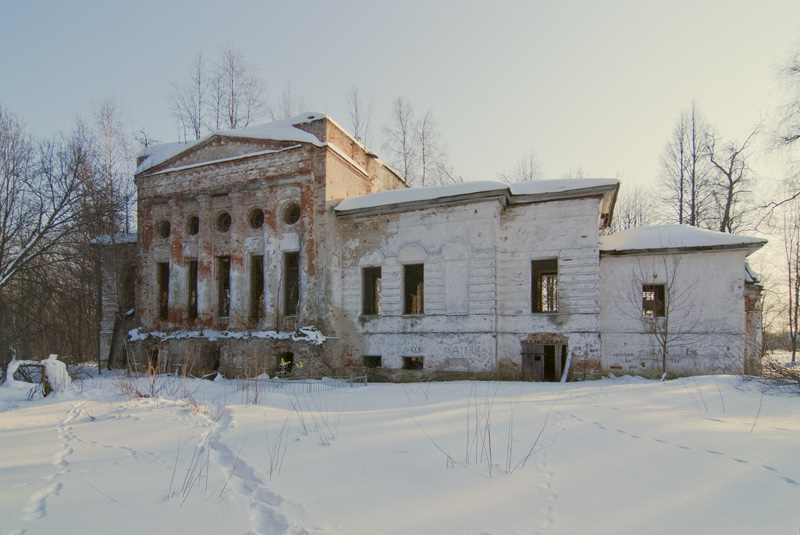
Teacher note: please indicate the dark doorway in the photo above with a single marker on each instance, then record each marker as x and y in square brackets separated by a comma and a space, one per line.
[543, 362]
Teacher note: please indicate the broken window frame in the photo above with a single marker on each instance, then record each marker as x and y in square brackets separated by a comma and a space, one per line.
[291, 282]
[257, 297]
[223, 286]
[191, 288]
[371, 283]
[544, 286]
[654, 300]
[162, 289]
[414, 289]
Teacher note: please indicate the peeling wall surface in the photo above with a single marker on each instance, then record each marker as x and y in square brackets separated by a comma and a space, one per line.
[246, 238]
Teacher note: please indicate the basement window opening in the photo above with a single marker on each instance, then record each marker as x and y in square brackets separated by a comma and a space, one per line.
[413, 363]
[372, 361]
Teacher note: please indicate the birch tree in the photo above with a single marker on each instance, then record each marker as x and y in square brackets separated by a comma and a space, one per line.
[686, 171]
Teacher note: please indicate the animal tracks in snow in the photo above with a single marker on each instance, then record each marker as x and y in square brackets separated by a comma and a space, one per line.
[787, 480]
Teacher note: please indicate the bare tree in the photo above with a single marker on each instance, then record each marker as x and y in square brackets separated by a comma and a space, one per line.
[731, 183]
[789, 126]
[360, 112]
[114, 166]
[791, 236]
[240, 90]
[189, 99]
[432, 153]
[685, 169]
[663, 298]
[578, 172]
[528, 167]
[635, 207]
[290, 103]
[401, 143]
[40, 194]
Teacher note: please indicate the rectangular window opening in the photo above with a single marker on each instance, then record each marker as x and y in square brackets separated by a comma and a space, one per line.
[162, 281]
[256, 287]
[544, 294]
[413, 363]
[414, 289]
[372, 361]
[653, 299]
[371, 305]
[223, 286]
[191, 289]
[291, 282]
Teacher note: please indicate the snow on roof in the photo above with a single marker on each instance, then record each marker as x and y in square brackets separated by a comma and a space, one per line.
[407, 195]
[536, 187]
[109, 239]
[283, 130]
[673, 237]
[434, 193]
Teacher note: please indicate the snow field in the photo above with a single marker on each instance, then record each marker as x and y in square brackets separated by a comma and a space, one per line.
[707, 455]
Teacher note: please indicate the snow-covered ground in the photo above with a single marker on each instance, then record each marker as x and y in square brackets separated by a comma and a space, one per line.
[707, 455]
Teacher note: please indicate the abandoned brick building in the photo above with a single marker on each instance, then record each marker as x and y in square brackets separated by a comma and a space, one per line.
[291, 242]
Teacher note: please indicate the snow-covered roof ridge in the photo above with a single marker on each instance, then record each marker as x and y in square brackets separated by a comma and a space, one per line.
[382, 200]
[661, 237]
[281, 130]
[109, 239]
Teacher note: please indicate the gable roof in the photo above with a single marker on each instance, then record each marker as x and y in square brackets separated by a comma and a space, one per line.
[665, 238]
[283, 130]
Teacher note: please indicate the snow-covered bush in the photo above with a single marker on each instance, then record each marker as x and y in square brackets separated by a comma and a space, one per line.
[56, 374]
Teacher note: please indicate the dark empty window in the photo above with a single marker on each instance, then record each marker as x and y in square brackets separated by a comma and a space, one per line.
[223, 222]
[544, 294]
[192, 225]
[291, 282]
[256, 287]
[162, 281]
[191, 289]
[255, 218]
[413, 363]
[223, 286]
[371, 278]
[653, 300]
[372, 361]
[414, 289]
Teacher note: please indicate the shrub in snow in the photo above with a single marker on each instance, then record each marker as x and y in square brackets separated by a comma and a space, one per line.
[56, 374]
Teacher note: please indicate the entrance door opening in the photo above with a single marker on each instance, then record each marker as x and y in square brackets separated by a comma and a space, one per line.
[542, 362]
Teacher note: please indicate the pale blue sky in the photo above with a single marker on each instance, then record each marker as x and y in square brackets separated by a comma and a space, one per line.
[588, 84]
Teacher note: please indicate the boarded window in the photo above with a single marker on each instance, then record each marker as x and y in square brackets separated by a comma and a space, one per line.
[414, 289]
[191, 289]
[372, 361]
[653, 300]
[223, 286]
[544, 285]
[162, 282]
[371, 303]
[291, 282]
[128, 290]
[413, 363]
[256, 287]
